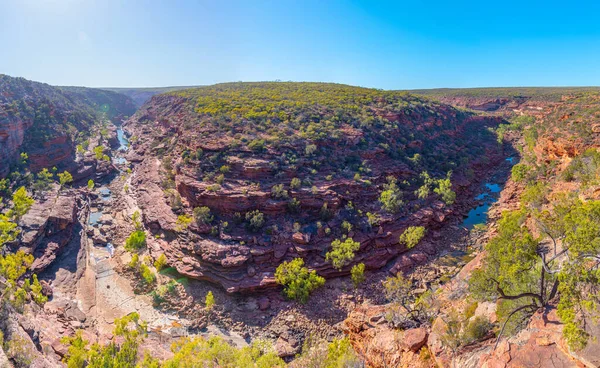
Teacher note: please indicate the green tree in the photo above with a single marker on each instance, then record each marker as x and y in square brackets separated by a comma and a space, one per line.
[24, 158]
[295, 183]
[444, 190]
[209, 301]
[520, 172]
[21, 203]
[342, 253]
[203, 215]
[357, 273]
[410, 309]
[297, 280]
[525, 272]
[8, 230]
[43, 182]
[65, 178]
[91, 184]
[136, 219]
[425, 189]
[161, 262]
[391, 197]
[412, 236]
[183, 221]
[135, 241]
[255, 220]
[120, 352]
[99, 152]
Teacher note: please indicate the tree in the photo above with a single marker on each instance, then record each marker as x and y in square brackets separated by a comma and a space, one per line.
[161, 262]
[24, 158]
[525, 273]
[520, 172]
[425, 189]
[295, 183]
[342, 253]
[391, 197]
[21, 203]
[412, 236]
[99, 152]
[257, 145]
[411, 310]
[255, 220]
[91, 184]
[209, 301]
[279, 192]
[203, 215]
[121, 351]
[136, 218]
[8, 230]
[44, 179]
[357, 273]
[65, 178]
[297, 280]
[444, 189]
[135, 241]
[183, 221]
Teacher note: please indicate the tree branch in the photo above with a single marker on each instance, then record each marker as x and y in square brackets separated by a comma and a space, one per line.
[519, 296]
[508, 318]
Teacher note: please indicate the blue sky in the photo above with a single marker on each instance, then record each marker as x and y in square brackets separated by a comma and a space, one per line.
[390, 45]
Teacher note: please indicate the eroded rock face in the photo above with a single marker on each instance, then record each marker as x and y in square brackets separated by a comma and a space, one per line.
[48, 227]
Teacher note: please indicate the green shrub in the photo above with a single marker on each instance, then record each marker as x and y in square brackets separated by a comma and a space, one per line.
[65, 178]
[391, 197]
[520, 172]
[255, 220]
[295, 183]
[342, 253]
[147, 274]
[161, 262]
[183, 221]
[297, 280]
[279, 192]
[412, 236]
[209, 301]
[357, 273]
[203, 215]
[444, 189]
[135, 241]
[257, 145]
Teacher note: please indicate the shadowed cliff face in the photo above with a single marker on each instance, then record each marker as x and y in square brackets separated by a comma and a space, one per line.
[236, 148]
[45, 121]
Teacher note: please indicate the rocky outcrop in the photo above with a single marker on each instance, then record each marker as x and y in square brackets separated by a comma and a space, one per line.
[47, 228]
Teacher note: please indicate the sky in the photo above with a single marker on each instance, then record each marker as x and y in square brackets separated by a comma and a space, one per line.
[381, 44]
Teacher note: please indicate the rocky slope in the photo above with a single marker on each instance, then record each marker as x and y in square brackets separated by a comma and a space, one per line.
[340, 142]
[47, 122]
[559, 148]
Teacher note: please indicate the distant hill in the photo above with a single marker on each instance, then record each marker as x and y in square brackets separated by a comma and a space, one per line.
[141, 95]
[547, 93]
[503, 99]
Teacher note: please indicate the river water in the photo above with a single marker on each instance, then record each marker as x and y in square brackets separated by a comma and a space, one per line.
[490, 195]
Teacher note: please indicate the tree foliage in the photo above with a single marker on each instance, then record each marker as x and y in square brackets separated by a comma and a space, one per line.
[391, 197]
[412, 236]
[342, 252]
[135, 241]
[357, 273]
[525, 272]
[65, 178]
[297, 280]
